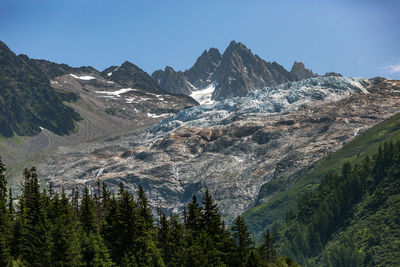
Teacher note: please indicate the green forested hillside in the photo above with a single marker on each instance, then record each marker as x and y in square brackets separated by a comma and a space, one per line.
[99, 228]
[261, 217]
[352, 219]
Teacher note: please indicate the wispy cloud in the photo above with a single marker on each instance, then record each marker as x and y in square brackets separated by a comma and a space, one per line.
[394, 68]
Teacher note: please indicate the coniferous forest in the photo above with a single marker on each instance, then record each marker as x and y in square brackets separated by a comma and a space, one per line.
[352, 219]
[42, 227]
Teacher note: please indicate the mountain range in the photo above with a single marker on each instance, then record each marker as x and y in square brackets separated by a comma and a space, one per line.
[254, 134]
[234, 73]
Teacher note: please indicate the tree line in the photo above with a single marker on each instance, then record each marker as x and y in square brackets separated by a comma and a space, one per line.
[42, 227]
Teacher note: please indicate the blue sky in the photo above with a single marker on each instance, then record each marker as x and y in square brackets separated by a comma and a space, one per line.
[358, 38]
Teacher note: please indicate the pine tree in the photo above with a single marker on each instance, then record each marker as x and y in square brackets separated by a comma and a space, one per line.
[267, 249]
[242, 241]
[65, 249]
[254, 260]
[177, 241]
[75, 200]
[219, 238]
[193, 220]
[94, 250]
[18, 228]
[110, 229]
[144, 209]
[35, 236]
[210, 219]
[171, 239]
[164, 234]
[147, 252]
[11, 209]
[87, 216]
[105, 200]
[5, 257]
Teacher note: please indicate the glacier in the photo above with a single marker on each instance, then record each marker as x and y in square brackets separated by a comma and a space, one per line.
[283, 98]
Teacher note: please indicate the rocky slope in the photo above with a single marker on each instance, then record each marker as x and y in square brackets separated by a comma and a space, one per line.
[27, 100]
[44, 105]
[172, 81]
[233, 147]
[234, 73]
[130, 75]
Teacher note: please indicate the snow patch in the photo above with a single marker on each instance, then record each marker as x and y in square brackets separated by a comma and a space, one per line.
[115, 93]
[85, 78]
[152, 115]
[203, 96]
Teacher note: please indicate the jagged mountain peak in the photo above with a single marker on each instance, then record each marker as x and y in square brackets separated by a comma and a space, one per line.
[240, 72]
[170, 69]
[128, 64]
[130, 75]
[214, 52]
[236, 49]
[200, 74]
[172, 81]
[299, 71]
[234, 73]
[236, 46]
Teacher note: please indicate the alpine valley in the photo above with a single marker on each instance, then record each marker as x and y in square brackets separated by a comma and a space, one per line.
[256, 135]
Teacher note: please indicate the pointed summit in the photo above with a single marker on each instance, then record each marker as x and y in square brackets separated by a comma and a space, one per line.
[236, 46]
[130, 75]
[200, 74]
[299, 71]
[234, 73]
[240, 72]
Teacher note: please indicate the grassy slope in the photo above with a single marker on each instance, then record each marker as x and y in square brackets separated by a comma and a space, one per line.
[262, 216]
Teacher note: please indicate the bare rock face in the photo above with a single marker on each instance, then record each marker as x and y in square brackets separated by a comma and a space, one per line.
[234, 147]
[130, 75]
[201, 73]
[240, 72]
[234, 73]
[172, 82]
[196, 78]
[299, 71]
[27, 100]
[49, 105]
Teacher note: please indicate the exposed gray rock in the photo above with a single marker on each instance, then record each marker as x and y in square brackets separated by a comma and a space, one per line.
[240, 72]
[299, 71]
[235, 73]
[61, 106]
[171, 81]
[333, 74]
[200, 75]
[132, 76]
[233, 158]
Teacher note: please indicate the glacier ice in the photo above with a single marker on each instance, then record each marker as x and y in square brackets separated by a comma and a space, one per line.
[282, 98]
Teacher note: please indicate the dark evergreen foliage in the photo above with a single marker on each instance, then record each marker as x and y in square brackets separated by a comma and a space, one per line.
[5, 256]
[343, 222]
[100, 229]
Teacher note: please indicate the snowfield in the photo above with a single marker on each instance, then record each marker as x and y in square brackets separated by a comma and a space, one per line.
[203, 96]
